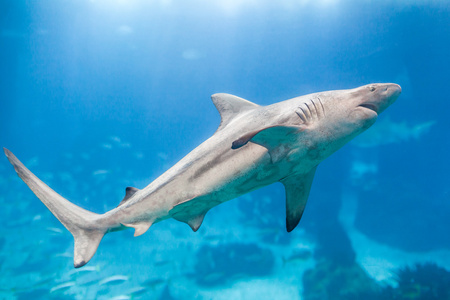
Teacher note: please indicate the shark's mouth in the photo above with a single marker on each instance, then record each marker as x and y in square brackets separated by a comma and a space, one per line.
[370, 106]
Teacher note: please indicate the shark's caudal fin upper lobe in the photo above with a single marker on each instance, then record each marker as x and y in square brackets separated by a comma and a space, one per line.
[83, 224]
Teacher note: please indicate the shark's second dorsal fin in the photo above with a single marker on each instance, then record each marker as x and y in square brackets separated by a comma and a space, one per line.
[129, 191]
[229, 106]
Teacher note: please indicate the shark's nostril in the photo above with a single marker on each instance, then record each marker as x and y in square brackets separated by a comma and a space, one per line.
[372, 88]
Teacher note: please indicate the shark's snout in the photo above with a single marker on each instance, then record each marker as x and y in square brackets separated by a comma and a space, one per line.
[380, 96]
[391, 94]
[396, 89]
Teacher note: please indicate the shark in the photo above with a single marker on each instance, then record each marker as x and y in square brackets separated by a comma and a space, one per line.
[254, 146]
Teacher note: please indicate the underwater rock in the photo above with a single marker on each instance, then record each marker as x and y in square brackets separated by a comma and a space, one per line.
[427, 281]
[333, 243]
[336, 274]
[330, 280]
[218, 265]
[166, 295]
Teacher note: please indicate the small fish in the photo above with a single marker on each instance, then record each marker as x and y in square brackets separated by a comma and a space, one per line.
[116, 139]
[121, 297]
[37, 218]
[84, 270]
[162, 155]
[54, 229]
[100, 172]
[298, 256]
[63, 286]
[33, 162]
[63, 254]
[107, 146]
[139, 290]
[139, 155]
[116, 279]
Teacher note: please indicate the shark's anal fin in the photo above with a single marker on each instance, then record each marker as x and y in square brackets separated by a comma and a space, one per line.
[277, 139]
[297, 192]
[230, 106]
[139, 227]
[129, 192]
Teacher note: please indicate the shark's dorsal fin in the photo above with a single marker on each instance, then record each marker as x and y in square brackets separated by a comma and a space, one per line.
[129, 191]
[297, 191]
[277, 139]
[229, 106]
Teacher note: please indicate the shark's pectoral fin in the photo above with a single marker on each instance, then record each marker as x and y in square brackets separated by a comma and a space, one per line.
[297, 192]
[129, 192]
[139, 227]
[230, 106]
[277, 139]
[193, 221]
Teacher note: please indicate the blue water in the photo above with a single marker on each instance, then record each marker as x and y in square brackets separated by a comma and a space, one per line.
[99, 95]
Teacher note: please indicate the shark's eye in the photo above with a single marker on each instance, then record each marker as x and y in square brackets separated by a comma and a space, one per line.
[372, 88]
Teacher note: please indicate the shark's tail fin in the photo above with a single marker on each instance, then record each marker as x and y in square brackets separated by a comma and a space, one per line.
[83, 224]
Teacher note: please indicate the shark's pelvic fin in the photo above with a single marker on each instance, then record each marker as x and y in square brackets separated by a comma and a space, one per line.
[297, 192]
[229, 106]
[192, 212]
[129, 192]
[139, 227]
[84, 226]
[277, 139]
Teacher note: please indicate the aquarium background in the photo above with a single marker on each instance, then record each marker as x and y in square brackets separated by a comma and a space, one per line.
[99, 95]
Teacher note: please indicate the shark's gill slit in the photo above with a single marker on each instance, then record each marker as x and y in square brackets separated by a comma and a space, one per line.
[310, 112]
[321, 104]
[300, 116]
[315, 109]
[305, 114]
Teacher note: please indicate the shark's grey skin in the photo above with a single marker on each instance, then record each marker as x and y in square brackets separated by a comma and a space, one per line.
[254, 146]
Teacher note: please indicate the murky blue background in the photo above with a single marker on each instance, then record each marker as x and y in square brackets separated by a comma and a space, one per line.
[99, 95]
